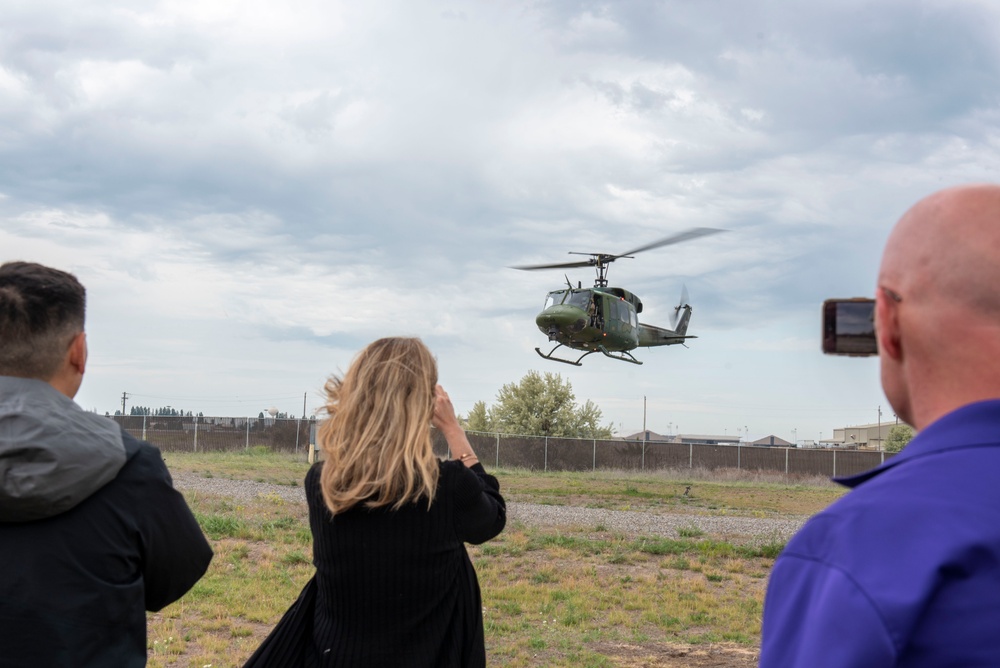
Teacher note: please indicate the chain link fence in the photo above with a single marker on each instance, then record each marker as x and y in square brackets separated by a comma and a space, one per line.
[540, 453]
[548, 453]
[214, 434]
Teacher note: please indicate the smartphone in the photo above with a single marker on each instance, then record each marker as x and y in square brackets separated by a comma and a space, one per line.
[849, 327]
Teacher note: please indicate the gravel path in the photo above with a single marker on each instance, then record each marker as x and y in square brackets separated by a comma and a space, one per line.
[629, 522]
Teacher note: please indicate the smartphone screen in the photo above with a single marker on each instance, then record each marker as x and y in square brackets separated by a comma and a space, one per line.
[849, 327]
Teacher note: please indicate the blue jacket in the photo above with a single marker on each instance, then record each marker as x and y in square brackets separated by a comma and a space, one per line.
[905, 569]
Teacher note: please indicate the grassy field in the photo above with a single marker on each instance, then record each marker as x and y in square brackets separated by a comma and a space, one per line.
[580, 596]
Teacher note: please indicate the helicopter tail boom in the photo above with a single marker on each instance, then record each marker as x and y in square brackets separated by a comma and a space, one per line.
[650, 335]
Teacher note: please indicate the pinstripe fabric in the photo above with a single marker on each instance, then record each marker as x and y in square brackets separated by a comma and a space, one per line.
[397, 588]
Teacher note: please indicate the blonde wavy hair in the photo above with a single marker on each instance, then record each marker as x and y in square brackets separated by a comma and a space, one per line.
[377, 438]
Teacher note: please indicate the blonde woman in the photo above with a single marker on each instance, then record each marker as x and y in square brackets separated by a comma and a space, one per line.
[394, 585]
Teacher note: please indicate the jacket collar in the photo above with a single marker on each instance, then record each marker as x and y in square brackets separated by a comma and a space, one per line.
[971, 426]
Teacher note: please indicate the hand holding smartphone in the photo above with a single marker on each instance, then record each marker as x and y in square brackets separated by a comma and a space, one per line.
[849, 327]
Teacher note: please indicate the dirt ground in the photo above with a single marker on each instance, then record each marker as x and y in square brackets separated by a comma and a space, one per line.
[658, 655]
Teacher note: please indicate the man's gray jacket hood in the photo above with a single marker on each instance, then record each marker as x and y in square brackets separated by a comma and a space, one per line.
[53, 454]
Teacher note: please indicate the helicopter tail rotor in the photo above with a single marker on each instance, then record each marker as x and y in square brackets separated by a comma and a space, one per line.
[680, 306]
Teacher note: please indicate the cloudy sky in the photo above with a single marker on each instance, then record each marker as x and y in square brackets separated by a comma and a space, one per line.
[251, 191]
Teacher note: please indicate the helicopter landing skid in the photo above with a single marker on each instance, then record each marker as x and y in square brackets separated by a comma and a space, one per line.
[622, 356]
[559, 359]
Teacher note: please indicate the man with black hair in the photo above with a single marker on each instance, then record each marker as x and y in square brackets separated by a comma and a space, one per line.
[92, 532]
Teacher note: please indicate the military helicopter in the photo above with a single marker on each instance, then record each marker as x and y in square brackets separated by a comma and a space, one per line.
[604, 319]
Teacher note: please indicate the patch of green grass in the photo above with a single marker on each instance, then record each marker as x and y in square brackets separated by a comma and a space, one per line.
[220, 526]
[690, 532]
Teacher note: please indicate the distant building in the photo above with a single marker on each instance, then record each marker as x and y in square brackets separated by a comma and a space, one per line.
[649, 436]
[773, 441]
[870, 436]
[708, 439]
[696, 439]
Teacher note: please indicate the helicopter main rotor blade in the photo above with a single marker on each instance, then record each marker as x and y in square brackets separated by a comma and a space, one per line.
[560, 265]
[687, 235]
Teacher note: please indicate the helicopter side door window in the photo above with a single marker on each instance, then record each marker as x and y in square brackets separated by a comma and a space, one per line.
[621, 314]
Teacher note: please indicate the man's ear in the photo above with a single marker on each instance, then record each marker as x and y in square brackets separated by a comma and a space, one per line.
[78, 353]
[887, 328]
[69, 375]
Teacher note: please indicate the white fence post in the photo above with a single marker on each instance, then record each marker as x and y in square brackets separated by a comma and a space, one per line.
[690, 455]
[594, 468]
[196, 433]
[144, 426]
[786, 460]
[248, 433]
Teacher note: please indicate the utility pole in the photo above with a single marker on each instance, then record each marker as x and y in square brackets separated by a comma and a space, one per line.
[124, 397]
[304, 405]
[644, 417]
[879, 432]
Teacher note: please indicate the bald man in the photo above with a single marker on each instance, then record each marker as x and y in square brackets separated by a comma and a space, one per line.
[905, 569]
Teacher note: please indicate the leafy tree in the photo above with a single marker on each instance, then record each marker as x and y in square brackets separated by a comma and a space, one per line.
[539, 406]
[479, 418]
[898, 437]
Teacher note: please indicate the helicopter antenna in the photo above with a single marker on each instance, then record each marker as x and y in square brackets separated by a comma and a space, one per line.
[568, 282]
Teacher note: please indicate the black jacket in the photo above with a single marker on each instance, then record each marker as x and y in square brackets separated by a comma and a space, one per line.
[92, 534]
[395, 588]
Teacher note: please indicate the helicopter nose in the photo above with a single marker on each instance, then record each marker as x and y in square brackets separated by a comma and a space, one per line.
[561, 317]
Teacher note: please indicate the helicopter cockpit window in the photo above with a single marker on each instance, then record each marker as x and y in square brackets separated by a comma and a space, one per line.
[554, 298]
[580, 299]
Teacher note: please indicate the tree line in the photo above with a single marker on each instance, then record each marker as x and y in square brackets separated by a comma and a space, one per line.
[165, 411]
